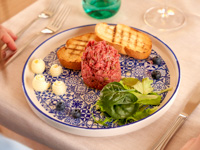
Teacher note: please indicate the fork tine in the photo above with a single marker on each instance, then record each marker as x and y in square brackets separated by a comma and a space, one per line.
[62, 17]
[56, 5]
[58, 20]
[54, 26]
[53, 6]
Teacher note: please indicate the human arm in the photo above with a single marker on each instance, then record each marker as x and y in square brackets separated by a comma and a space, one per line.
[8, 37]
[192, 144]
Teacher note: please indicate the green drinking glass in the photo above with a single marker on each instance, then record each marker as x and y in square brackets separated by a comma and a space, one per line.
[101, 9]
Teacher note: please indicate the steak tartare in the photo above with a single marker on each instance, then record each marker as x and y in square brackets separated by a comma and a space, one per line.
[100, 65]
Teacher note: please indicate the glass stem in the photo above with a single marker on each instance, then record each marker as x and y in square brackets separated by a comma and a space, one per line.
[165, 6]
[165, 9]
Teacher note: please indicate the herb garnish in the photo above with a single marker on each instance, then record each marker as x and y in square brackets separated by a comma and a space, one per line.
[128, 100]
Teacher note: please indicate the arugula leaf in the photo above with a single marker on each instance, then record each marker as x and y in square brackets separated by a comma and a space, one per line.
[101, 121]
[165, 90]
[143, 114]
[151, 99]
[144, 87]
[128, 100]
[130, 82]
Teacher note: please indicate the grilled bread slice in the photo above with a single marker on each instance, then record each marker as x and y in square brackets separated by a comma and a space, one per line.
[126, 40]
[70, 55]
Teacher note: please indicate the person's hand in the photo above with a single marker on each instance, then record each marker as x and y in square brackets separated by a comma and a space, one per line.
[8, 37]
[192, 144]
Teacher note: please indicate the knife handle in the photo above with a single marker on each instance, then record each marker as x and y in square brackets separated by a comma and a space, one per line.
[5, 48]
[14, 55]
[160, 145]
[26, 27]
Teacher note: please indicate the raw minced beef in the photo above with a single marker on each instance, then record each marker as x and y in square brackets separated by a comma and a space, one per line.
[100, 65]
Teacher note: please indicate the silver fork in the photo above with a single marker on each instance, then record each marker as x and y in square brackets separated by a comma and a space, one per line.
[46, 13]
[52, 27]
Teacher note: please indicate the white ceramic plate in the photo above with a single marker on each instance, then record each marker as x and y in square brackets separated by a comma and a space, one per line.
[79, 96]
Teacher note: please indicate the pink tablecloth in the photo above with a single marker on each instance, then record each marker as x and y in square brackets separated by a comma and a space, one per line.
[16, 114]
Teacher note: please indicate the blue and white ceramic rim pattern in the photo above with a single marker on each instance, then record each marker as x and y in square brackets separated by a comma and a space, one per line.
[84, 130]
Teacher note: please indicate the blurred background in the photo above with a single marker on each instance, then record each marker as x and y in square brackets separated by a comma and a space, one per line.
[9, 8]
[8, 139]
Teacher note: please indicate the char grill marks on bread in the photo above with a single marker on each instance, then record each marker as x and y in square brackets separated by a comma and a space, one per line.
[127, 40]
[70, 55]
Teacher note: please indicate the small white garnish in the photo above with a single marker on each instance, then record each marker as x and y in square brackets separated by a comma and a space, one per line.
[55, 70]
[39, 83]
[38, 66]
[59, 87]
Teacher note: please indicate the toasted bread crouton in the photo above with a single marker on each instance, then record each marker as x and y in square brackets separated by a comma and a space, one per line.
[126, 40]
[70, 55]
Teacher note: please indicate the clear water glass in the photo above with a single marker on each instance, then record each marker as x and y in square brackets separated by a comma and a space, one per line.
[164, 17]
[101, 9]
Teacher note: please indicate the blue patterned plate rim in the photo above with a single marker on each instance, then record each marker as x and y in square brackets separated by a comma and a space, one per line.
[82, 26]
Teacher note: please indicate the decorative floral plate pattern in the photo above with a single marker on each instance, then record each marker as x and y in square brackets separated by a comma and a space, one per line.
[79, 96]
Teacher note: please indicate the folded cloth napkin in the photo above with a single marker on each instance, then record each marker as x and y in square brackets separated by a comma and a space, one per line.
[192, 144]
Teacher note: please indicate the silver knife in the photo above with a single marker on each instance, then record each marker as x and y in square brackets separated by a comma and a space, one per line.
[9, 53]
[5, 48]
[193, 102]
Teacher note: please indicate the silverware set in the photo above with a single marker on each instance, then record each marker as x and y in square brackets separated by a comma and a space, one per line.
[57, 8]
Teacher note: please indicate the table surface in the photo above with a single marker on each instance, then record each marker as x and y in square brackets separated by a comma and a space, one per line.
[16, 114]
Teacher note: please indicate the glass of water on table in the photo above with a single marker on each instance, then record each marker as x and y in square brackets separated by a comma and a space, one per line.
[101, 9]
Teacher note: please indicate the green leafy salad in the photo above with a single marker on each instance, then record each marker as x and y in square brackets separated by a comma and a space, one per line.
[128, 101]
